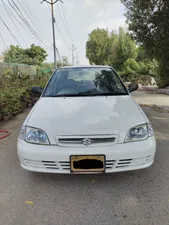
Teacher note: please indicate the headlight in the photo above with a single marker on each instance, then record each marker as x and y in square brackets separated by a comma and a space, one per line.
[150, 130]
[34, 135]
[22, 133]
[139, 133]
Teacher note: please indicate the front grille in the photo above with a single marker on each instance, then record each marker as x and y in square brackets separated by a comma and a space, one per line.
[110, 164]
[65, 165]
[122, 163]
[87, 141]
[93, 140]
[49, 165]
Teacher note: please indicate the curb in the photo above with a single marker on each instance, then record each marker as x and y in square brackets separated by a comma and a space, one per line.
[154, 107]
[154, 90]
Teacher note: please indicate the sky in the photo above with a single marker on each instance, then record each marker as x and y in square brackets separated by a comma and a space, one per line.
[75, 19]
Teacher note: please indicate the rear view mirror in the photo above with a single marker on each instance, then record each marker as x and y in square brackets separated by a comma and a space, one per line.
[132, 87]
[37, 90]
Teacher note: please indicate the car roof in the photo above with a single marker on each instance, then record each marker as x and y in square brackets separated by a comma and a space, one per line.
[87, 66]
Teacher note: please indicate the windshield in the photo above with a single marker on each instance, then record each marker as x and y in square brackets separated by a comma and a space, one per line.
[90, 81]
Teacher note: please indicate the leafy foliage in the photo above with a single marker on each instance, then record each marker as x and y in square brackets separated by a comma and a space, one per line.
[148, 21]
[63, 62]
[129, 70]
[35, 55]
[15, 92]
[98, 47]
[13, 100]
[121, 52]
[126, 49]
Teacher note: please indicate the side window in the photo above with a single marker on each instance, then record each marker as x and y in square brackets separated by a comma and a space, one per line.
[52, 85]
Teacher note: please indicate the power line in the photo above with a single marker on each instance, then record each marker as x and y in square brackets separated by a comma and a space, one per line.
[66, 23]
[57, 28]
[26, 13]
[21, 16]
[10, 31]
[53, 27]
[27, 23]
[13, 22]
[33, 14]
[19, 22]
[3, 40]
[34, 23]
[56, 25]
[73, 48]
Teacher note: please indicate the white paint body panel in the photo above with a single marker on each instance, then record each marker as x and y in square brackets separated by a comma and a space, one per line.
[142, 154]
[86, 116]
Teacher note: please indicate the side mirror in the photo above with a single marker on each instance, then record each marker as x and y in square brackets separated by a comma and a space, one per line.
[132, 87]
[37, 90]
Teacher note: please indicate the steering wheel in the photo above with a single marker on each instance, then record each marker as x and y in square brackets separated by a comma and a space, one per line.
[67, 90]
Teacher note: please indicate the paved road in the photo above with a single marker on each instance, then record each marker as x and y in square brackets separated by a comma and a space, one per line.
[148, 98]
[130, 198]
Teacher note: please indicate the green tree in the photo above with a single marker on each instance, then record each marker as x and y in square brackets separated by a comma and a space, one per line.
[113, 48]
[126, 49]
[129, 70]
[35, 55]
[50, 66]
[142, 54]
[14, 55]
[122, 53]
[149, 21]
[63, 62]
[147, 65]
[98, 47]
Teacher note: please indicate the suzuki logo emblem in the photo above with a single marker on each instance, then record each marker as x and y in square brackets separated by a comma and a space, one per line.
[87, 141]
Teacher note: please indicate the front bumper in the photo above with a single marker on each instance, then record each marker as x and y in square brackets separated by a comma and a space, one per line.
[54, 159]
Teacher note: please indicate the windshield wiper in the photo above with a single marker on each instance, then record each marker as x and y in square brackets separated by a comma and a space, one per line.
[85, 94]
[98, 93]
[66, 95]
[103, 94]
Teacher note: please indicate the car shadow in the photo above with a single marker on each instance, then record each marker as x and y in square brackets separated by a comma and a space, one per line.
[85, 178]
[146, 174]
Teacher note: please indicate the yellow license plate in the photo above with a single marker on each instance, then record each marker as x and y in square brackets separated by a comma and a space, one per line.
[87, 163]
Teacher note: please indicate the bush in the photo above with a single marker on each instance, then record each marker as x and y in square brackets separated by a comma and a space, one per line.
[15, 91]
[130, 70]
[13, 100]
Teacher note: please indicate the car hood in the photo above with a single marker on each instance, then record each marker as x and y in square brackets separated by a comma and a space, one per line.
[86, 115]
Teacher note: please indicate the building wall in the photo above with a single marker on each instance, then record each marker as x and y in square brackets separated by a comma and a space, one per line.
[1, 59]
[21, 68]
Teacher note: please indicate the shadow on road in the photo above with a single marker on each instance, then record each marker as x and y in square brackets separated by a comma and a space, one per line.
[137, 178]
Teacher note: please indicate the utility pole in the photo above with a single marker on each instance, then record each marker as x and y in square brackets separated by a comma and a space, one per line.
[77, 59]
[58, 54]
[73, 55]
[53, 28]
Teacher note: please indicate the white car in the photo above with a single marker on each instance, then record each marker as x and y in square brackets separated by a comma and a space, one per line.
[86, 122]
